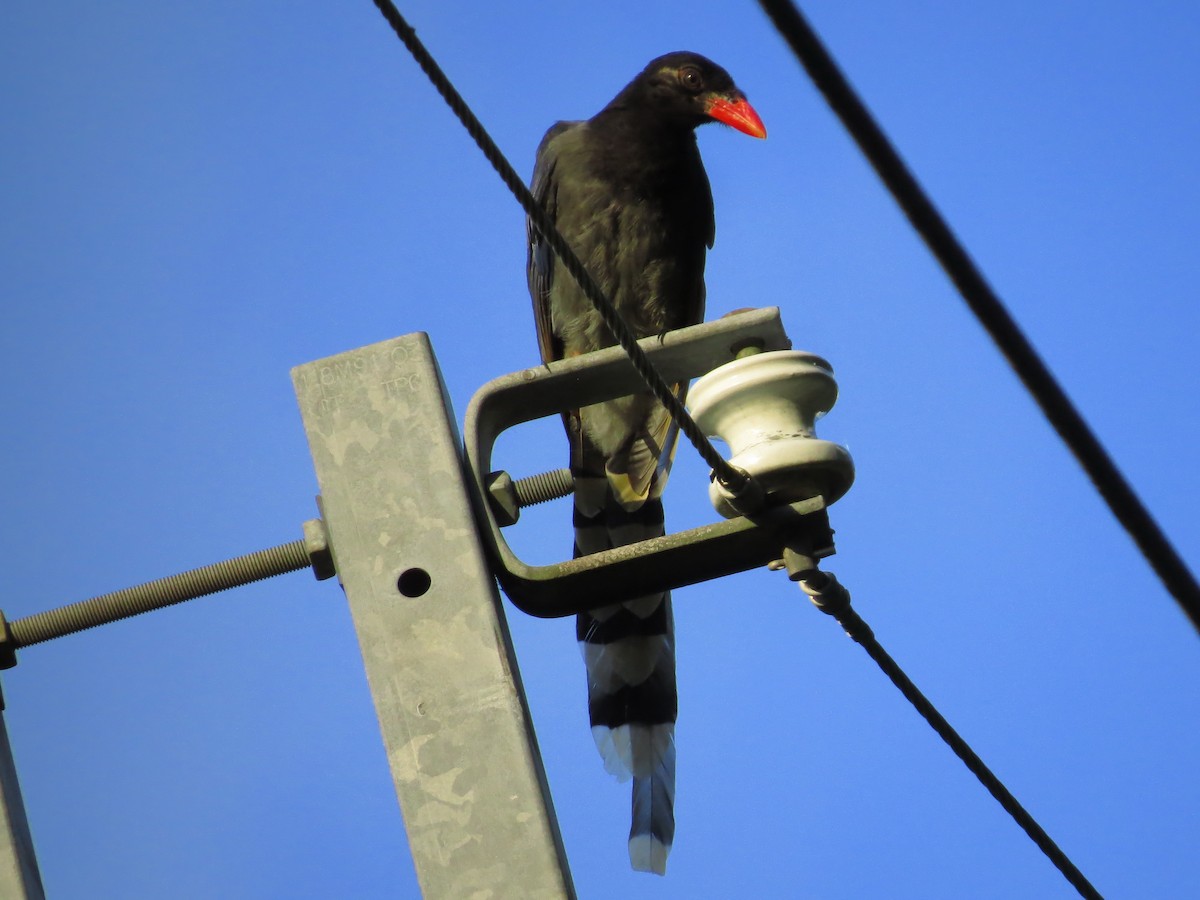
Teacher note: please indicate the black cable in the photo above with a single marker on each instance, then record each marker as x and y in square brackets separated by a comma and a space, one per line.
[732, 477]
[832, 598]
[956, 263]
[987, 307]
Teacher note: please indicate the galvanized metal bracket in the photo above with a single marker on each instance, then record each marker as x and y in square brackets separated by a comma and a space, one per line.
[674, 560]
[20, 877]
[430, 624]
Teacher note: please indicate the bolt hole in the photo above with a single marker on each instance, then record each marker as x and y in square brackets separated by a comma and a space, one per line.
[413, 582]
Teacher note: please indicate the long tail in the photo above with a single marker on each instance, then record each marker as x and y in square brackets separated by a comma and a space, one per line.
[629, 651]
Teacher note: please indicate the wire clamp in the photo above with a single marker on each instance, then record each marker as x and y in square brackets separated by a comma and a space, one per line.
[826, 593]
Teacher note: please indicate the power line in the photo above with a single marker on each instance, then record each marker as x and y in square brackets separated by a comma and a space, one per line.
[987, 306]
[735, 479]
[827, 594]
[832, 598]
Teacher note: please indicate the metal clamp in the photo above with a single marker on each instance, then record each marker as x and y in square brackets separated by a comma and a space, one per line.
[741, 543]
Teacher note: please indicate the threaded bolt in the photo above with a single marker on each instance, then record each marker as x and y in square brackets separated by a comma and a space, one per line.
[158, 594]
[544, 487]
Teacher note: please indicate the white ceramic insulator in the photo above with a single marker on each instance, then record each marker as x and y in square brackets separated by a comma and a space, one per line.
[764, 407]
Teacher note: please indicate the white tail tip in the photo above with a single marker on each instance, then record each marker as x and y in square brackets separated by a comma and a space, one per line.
[648, 854]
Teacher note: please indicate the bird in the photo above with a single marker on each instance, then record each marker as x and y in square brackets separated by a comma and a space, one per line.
[629, 193]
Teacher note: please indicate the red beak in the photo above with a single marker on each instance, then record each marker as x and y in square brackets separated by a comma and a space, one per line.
[737, 114]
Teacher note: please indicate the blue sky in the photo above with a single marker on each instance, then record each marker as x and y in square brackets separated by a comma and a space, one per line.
[199, 197]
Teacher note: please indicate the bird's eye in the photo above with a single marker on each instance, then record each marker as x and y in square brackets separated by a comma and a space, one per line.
[691, 78]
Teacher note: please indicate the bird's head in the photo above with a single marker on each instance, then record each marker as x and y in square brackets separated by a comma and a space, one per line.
[690, 90]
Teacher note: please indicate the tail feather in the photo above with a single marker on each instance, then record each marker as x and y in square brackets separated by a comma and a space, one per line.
[632, 660]
[653, 828]
[634, 749]
[629, 652]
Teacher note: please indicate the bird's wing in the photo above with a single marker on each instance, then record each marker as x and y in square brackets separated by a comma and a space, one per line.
[641, 472]
[541, 262]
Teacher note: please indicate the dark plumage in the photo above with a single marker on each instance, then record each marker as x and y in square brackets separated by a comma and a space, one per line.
[628, 191]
